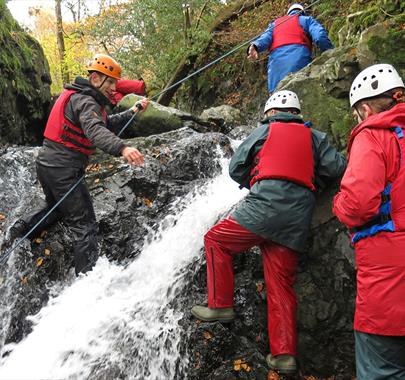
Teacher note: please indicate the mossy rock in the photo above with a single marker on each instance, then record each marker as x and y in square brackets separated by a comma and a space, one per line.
[24, 84]
[155, 119]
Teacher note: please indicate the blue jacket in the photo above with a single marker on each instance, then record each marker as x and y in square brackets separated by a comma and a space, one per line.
[291, 58]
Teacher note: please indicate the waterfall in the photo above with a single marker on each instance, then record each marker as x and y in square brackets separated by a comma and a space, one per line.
[118, 322]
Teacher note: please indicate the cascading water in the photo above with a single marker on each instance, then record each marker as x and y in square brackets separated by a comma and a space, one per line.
[117, 322]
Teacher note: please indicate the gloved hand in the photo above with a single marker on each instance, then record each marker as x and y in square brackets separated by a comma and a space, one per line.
[140, 105]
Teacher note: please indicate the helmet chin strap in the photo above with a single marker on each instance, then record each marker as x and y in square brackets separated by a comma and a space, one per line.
[358, 112]
[102, 83]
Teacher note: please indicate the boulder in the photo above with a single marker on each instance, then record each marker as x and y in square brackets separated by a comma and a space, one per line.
[158, 119]
[225, 116]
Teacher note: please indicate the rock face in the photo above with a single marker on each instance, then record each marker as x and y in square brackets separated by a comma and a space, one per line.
[24, 84]
[323, 86]
[128, 202]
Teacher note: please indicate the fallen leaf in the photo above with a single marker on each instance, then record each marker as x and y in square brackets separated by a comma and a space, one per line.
[97, 180]
[272, 376]
[40, 261]
[110, 166]
[246, 367]
[47, 252]
[38, 240]
[24, 280]
[43, 234]
[259, 287]
[148, 202]
[236, 367]
[2, 217]
[207, 335]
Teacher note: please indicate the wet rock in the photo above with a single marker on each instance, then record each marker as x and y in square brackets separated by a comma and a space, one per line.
[158, 119]
[225, 117]
[129, 202]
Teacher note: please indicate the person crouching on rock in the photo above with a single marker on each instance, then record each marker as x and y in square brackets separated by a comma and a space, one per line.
[279, 163]
[77, 125]
[371, 203]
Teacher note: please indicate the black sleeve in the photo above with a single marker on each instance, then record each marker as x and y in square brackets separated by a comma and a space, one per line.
[88, 113]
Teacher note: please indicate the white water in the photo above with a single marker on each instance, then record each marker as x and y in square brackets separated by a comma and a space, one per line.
[119, 317]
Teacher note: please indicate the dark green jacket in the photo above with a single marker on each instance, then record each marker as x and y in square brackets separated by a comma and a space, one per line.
[280, 210]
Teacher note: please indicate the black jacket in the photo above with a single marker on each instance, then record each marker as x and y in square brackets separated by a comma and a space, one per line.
[84, 110]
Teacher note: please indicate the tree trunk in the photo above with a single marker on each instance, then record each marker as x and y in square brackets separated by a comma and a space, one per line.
[61, 42]
[187, 63]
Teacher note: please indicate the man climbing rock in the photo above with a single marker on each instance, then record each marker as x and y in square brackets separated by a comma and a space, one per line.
[280, 163]
[289, 40]
[77, 125]
[371, 203]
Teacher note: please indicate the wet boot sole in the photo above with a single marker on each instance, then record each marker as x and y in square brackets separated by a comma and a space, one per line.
[285, 372]
[225, 320]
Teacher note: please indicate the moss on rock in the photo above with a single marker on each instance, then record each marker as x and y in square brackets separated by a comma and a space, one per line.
[24, 83]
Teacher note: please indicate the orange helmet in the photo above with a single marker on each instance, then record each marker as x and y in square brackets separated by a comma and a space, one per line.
[105, 64]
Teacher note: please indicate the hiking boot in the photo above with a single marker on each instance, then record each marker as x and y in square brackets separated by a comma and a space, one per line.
[284, 364]
[17, 230]
[207, 314]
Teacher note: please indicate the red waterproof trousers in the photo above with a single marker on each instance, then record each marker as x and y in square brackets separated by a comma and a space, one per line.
[280, 265]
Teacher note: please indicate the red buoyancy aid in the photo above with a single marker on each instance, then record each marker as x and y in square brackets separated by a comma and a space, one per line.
[286, 154]
[393, 120]
[61, 130]
[287, 30]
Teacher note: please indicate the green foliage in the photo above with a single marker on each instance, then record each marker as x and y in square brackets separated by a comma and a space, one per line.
[390, 49]
[16, 53]
[355, 16]
[149, 37]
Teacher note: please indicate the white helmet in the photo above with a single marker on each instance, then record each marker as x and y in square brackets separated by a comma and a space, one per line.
[296, 7]
[283, 99]
[373, 81]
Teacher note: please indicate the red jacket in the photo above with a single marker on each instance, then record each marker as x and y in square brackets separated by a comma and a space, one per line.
[287, 31]
[128, 86]
[286, 154]
[375, 162]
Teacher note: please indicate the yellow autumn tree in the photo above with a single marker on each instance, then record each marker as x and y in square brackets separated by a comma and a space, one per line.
[77, 53]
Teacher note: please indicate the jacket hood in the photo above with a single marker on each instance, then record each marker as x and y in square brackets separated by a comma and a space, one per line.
[395, 117]
[83, 86]
[284, 117]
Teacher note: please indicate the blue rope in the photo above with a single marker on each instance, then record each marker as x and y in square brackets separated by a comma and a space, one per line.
[6, 255]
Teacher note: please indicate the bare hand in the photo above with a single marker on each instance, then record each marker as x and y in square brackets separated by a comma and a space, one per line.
[140, 105]
[133, 156]
[252, 53]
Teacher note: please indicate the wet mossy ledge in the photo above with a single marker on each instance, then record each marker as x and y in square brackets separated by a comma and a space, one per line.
[24, 84]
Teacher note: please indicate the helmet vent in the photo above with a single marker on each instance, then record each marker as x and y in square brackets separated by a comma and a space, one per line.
[284, 101]
[374, 85]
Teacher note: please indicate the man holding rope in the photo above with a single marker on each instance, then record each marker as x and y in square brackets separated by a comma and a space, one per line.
[77, 125]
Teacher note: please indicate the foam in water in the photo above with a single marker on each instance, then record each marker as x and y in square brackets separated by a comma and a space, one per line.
[118, 318]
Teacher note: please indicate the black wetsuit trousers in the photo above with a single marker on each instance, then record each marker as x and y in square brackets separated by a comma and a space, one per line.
[76, 210]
